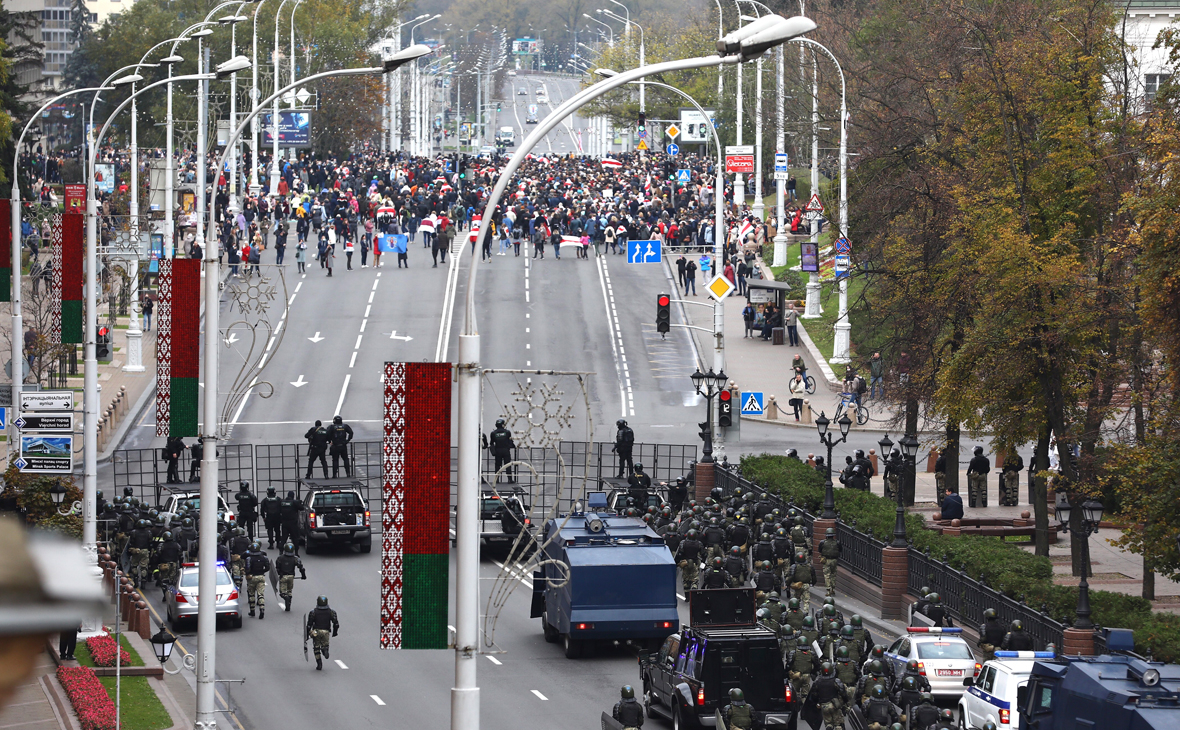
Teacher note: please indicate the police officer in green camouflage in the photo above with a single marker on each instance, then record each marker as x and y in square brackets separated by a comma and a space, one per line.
[848, 672]
[848, 641]
[775, 606]
[801, 665]
[285, 566]
[828, 693]
[257, 566]
[794, 615]
[830, 549]
[801, 577]
[322, 625]
[737, 714]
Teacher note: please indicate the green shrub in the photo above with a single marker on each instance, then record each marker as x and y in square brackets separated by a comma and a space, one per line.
[1005, 567]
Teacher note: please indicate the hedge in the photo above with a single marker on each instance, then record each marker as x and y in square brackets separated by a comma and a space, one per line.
[1015, 572]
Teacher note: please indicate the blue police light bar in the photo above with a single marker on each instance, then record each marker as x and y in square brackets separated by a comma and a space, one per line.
[1025, 655]
[933, 630]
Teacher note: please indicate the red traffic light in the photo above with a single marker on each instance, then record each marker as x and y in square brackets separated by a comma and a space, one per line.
[663, 300]
[103, 331]
[725, 395]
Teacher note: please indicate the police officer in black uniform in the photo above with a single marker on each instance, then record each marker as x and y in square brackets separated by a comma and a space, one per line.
[168, 556]
[322, 624]
[247, 509]
[627, 711]
[139, 544]
[339, 434]
[196, 452]
[624, 440]
[501, 446]
[1016, 639]
[879, 712]
[285, 566]
[640, 484]
[937, 613]
[825, 700]
[317, 447]
[977, 470]
[271, 508]
[925, 713]
[677, 493]
[289, 520]
[991, 633]
[173, 450]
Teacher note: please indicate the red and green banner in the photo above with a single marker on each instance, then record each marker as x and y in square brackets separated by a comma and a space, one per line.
[416, 492]
[5, 250]
[178, 347]
[65, 304]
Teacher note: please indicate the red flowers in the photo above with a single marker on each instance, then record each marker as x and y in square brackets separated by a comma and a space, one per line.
[91, 702]
[102, 651]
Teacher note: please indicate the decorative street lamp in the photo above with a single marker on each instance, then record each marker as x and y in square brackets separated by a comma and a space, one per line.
[909, 448]
[708, 384]
[1091, 517]
[886, 445]
[58, 494]
[827, 439]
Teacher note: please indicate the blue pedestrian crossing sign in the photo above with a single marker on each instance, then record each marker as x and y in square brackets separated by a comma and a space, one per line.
[643, 252]
[683, 176]
[672, 148]
[3, 419]
[752, 403]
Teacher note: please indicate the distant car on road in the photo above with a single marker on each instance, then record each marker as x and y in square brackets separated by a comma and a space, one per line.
[180, 600]
[334, 513]
[192, 497]
[522, 91]
[532, 119]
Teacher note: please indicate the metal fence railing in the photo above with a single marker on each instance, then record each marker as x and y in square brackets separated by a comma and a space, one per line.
[862, 553]
[146, 470]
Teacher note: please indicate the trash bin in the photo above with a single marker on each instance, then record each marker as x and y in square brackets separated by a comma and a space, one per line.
[778, 336]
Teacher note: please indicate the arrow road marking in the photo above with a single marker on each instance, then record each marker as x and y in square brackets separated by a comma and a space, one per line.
[299, 383]
[404, 338]
[233, 337]
[317, 337]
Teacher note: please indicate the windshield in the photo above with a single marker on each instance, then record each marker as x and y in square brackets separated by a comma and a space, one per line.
[343, 499]
[943, 650]
[190, 578]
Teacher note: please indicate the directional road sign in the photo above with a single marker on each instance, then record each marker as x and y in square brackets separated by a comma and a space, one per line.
[720, 287]
[46, 453]
[46, 422]
[683, 176]
[752, 404]
[4, 418]
[643, 252]
[47, 400]
[672, 149]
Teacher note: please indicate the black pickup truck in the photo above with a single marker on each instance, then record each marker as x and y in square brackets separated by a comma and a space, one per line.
[334, 512]
[688, 680]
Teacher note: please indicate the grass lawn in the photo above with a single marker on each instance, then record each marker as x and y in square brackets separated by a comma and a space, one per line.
[139, 707]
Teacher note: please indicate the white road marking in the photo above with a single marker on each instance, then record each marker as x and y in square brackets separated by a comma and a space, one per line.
[540, 696]
[375, 284]
[378, 700]
[298, 287]
[363, 323]
[616, 340]
[494, 660]
[341, 664]
[352, 362]
[343, 392]
[514, 573]
[371, 296]
[357, 346]
[367, 308]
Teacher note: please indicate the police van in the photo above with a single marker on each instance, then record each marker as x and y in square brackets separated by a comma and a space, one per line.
[992, 694]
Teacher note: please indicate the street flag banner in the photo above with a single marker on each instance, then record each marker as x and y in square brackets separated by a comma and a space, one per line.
[610, 162]
[5, 250]
[178, 347]
[65, 309]
[416, 498]
[392, 243]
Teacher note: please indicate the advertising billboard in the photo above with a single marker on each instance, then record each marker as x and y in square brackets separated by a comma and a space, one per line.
[294, 128]
[694, 126]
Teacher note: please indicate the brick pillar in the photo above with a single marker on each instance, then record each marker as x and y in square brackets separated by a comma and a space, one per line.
[705, 480]
[818, 528]
[1078, 641]
[895, 570]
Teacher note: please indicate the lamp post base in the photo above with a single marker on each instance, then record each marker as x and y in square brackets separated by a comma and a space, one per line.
[780, 248]
[134, 349]
[843, 342]
[759, 209]
[812, 307]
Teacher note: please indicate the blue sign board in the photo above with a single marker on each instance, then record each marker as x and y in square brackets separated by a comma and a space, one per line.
[294, 128]
[752, 403]
[3, 418]
[780, 162]
[643, 252]
[672, 148]
[683, 175]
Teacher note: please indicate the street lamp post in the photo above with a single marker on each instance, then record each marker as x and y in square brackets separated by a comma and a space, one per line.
[909, 447]
[642, 52]
[827, 439]
[1087, 525]
[709, 385]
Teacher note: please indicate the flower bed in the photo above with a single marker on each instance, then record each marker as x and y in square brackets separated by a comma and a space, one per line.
[89, 698]
[102, 651]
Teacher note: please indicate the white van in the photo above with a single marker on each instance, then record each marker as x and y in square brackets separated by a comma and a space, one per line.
[506, 137]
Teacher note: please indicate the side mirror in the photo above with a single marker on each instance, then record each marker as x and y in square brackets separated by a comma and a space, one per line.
[1022, 696]
[970, 682]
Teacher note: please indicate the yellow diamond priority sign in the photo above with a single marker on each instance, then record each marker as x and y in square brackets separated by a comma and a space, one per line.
[673, 131]
[720, 287]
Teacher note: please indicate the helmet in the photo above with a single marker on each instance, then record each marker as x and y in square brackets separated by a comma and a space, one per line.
[829, 610]
[772, 596]
[876, 667]
[896, 726]
[322, 602]
[909, 684]
[289, 548]
[989, 614]
[935, 598]
[846, 631]
[827, 669]
[500, 424]
[842, 653]
[793, 604]
[736, 695]
[978, 451]
[638, 466]
[878, 691]
[764, 496]
[239, 531]
[947, 715]
[877, 651]
[860, 454]
[833, 628]
[762, 614]
[713, 521]
[735, 550]
[829, 600]
[167, 535]
[799, 520]
[803, 643]
[128, 491]
[255, 547]
[1017, 625]
[153, 513]
[800, 557]
[270, 491]
[135, 501]
[766, 565]
[895, 453]
[989, 726]
[780, 532]
[692, 535]
[926, 697]
[924, 590]
[337, 420]
[730, 512]
[787, 632]
[187, 522]
[809, 622]
[143, 524]
[911, 665]
[1051, 647]
[855, 620]
[621, 422]
[830, 532]
[737, 491]
[717, 563]
[627, 693]
[764, 537]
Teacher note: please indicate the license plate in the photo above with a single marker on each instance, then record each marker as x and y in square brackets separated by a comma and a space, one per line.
[950, 672]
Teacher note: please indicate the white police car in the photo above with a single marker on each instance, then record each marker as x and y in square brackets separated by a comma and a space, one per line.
[992, 695]
[943, 657]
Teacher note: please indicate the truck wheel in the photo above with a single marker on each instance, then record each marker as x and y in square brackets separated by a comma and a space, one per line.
[648, 701]
[962, 719]
[366, 546]
[573, 647]
[551, 634]
[677, 723]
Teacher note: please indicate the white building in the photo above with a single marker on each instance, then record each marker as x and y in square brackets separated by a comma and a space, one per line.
[55, 32]
[1145, 19]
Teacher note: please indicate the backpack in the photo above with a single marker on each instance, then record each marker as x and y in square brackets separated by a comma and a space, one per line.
[861, 387]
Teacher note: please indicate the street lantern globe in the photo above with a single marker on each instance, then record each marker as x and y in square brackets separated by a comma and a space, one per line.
[58, 493]
[698, 379]
[909, 445]
[1063, 509]
[821, 424]
[1092, 511]
[719, 380]
[845, 424]
[886, 444]
[162, 643]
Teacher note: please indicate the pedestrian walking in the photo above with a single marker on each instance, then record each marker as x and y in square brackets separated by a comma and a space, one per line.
[301, 257]
[148, 307]
[791, 320]
[749, 316]
[330, 258]
[690, 277]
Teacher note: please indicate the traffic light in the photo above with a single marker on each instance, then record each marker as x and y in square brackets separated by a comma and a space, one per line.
[663, 314]
[102, 344]
[642, 121]
[725, 413]
[462, 167]
[498, 106]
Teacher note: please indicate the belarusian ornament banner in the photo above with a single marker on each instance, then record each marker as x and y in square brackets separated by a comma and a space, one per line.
[178, 347]
[65, 304]
[416, 495]
[5, 250]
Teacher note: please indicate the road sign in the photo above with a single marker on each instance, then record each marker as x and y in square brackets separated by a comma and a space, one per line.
[47, 400]
[672, 131]
[644, 252]
[840, 264]
[643, 133]
[739, 158]
[843, 246]
[683, 176]
[4, 418]
[720, 287]
[46, 454]
[45, 422]
[672, 149]
[642, 146]
[814, 204]
[739, 149]
[6, 395]
[752, 404]
[780, 166]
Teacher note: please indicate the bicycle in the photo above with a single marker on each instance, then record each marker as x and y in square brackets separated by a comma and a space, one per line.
[808, 381]
[862, 413]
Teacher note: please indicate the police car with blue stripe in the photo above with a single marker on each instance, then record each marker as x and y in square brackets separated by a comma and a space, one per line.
[991, 696]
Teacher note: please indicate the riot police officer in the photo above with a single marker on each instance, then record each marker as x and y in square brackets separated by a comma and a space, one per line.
[866, 469]
[847, 672]
[168, 556]
[977, 470]
[285, 566]
[257, 566]
[339, 435]
[317, 447]
[501, 446]
[271, 508]
[801, 665]
[173, 450]
[908, 693]
[688, 557]
[794, 615]
[922, 684]
[828, 695]
[893, 472]
[737, 714]
[239, 546]
[289, 519]
[937, 613]
[322, 625]
[1016, 639]
[714, 538]
[925, 713]
[139, 545]
[624, 441]
[830, 549]
[715, 575]
[247, 509]
[766, 580]
[677, 493]
[991, 633]
[735, 566]
[627, 711]
[879, 712]
[1010, 484]
[801, 577]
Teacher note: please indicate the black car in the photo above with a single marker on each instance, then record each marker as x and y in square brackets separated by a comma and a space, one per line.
[335, 512]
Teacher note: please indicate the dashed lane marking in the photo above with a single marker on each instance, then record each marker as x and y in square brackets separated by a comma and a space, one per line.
[540, 696]
[380, 702]
[494, 660]
[341, 664]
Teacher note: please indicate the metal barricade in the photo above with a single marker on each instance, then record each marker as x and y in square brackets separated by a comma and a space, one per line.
[861, 553]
